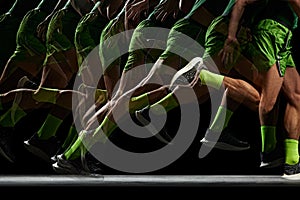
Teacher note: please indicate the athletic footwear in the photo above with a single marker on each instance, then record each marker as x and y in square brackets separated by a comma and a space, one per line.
[272, 159]
[290, 170]
[75, 167]
[187, 73]
[6, 143]
[59, 152]
[43, 149]
[223, 141]
[54, 158]
[143, 117]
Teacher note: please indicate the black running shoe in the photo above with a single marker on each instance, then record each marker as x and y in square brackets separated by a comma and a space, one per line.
[224, 141]
[75, 167]
[54, 158]
[59, 152]
[143, 117]
[6, 143]
[43, 149]
[290, 170]
[93, 164]
[272, 159]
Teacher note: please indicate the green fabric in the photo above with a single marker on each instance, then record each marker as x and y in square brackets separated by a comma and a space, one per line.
[29, 49]
[61, 29]
[215, 7]
[211, 79]
[46, 95]
[177, 43]
[141, 37]
[5, 119]
[169, 102]
[100, 134]
[291, 151]
[271, 43]
[137, 51]
[280, 11]
[27, 42]
[268, 138]
[101, 96]
[12, 116]
[109, 48]
[228, 9]
[87, 139]
[87, 34]
[17, 113]
[75, 150]
[251, 12]
[49, 127]
[217, 34]
[71, 138]
[195, 7]
[107, 126]
[221, 119]
[138, 102]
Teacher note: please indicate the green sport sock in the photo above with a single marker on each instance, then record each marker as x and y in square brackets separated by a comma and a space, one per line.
[211, 79]
[221, 119]
[71, 137]
[49, 127]
[46, 95]
[89, 139]
[106, 126]
[5, 119]
[169, 102]
[138, 102]
[75, 150]
[291, 151]
[268, 138]
[12, 116]
[17, 113]
[101, 96]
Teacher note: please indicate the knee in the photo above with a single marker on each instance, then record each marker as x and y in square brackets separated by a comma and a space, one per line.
[267, 105]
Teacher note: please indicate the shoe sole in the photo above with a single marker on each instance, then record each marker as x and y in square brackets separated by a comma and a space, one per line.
[185, 69]
[61, 170]
[276, 163]
[223, 146]
[37, 152]
[66, 169]
[291, 177]
[152, 129]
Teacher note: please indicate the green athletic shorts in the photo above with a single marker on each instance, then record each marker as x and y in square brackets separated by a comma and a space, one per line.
[217, 34]
[87, 34]
[61, 31]
[186, 38]
[143, 37]
[272, 44]
[27, 42]
[109, 47]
